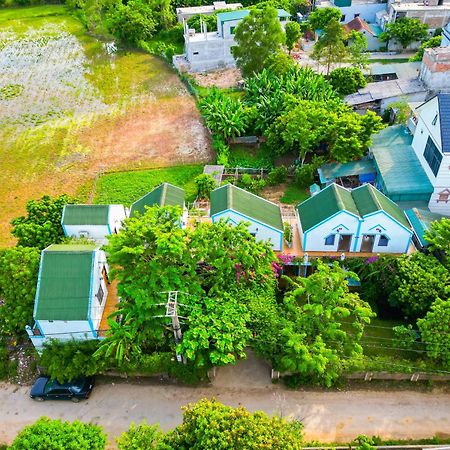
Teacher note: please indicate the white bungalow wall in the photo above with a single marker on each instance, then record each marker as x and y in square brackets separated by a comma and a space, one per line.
[399, 237]
[424, 129]
[96, 308]
[314, 239]
[262, 232]
[117, 215]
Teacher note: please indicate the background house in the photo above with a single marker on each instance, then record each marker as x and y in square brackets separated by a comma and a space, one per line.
[165, 194]
[370, 31]
[359, 220]
[212, 50]
[232, 203]
[184, 14]
[365, 9]
[92, 221]
[72, 289]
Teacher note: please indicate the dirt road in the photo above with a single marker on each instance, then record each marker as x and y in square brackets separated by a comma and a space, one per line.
[328, 416]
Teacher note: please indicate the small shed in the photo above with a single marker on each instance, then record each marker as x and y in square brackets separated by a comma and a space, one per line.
[364, 170]
[92, 221]
[400, 175]
[236, 205]
[420, 221]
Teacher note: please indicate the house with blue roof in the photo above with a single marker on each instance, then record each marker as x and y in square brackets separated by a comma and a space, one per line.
[205, 50]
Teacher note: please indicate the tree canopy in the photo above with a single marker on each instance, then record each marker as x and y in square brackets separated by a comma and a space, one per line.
[293, 34]
[257, 36]
[405, 30]
[438, 236]
[347, 80]
[321, 17]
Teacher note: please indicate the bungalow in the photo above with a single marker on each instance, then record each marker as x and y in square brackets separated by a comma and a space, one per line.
[359, 220]
[370, 30]
[92, 221]
[232, 203]
[71, 294]
[165, 194]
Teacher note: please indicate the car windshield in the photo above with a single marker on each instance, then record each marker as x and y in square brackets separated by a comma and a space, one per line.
[74, 385]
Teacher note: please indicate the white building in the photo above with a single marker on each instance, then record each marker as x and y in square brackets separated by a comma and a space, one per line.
[236, 205]
[71, 294]
[184, 14]
[370, 31]
[435, 68]
[359, 220]
[212, 50]
[92, 221]
[365, 9]
[446, 36]
[431, 143]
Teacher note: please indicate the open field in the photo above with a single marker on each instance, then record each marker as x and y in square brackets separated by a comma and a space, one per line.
[72, 106]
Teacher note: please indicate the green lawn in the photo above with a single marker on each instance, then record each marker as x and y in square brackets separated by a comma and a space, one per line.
[127, 187]
[389, 61]
[249, 156]
[294, 194]
[378, 338]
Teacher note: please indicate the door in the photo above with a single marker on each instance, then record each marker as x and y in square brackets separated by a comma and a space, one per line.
[367, 243]
[344, 242]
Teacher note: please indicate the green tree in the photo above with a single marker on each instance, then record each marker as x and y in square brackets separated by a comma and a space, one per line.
[164, 15]
[217, 332]
[133, 22]
[347, 80]
[19, 268]
[405, 30]
[434, 41]
[313, 342]
[330, 48]
[234, 428]
[224, 115]
[140, 437]
[358, 56]
[42, 224]
[438, 236]
[293, 34]
[257, 36]
[205, 184]
[435, 329]
[47, 434]
[419, 280]
[321, 17]
[210, 21]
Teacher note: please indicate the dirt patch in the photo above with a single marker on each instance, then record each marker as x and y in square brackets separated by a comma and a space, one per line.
[274, 193]
[225, 78]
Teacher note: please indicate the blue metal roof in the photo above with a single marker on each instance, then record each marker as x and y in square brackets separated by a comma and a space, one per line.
[329, 172]
[444, 119]
[397, 164]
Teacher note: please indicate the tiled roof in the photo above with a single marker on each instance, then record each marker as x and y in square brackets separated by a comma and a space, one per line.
[246, 203]
[358, 24]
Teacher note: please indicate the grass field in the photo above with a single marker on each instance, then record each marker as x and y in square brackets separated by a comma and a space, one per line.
[72, 106]
[294, 194]
[127, 187]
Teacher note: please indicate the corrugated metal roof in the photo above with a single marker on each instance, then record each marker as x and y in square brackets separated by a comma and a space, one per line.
[444, 119]
[240, 14]
[85, 215]
[331, 171]
[420, 220]
[165, 194]
[65, 282]
[369, 200]
[246, 203]
[397, 164]
[329, 201]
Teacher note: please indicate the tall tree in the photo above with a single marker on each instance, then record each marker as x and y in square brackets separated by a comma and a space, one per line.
[358, 56]
[405, 30]
[257, 36]
[330, 48]
[293, 33]
[42, 224]
[321, 17]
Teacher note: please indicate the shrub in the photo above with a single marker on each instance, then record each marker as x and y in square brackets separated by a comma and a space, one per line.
[254, 185]
[140, 437]
[277, 175]
[221, 148]
[287, 232]
[347, 80]
[205, 184]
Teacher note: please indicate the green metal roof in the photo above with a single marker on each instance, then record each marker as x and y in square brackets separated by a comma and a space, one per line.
[246, 203]
[398, 166]
[64, 282]
[85, 215]
[165, 194]
[369, 200]
[241, 13]
[329, 201]
[331, 171]
[420, 220]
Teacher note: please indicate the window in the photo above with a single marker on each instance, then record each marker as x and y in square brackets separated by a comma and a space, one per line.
[329, 240]
[383, 241]
[195, 53]
[100, 294]
[432, 156]
[343, 18]
[434, 120]
[232, 30]
[356, 15]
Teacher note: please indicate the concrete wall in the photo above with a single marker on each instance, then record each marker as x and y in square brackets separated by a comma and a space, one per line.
[380, 223]
[262, 232]
[435, 69]
[367, 11]
[314, 239]
[414, 97]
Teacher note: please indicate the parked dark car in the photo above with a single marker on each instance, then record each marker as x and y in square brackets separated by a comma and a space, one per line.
[46, 389]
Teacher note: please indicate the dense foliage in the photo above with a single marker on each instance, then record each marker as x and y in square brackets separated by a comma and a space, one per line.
[434, 41]
[42, 224]
[347, 80]
[405, 30]
[293, 33]
[47, 434]
[257, 36]
[205, 184]
[438, 236]
[19, 268]
[321, 17]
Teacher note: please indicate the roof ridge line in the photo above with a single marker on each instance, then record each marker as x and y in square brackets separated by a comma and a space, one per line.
[163, 193]
[230, 197]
